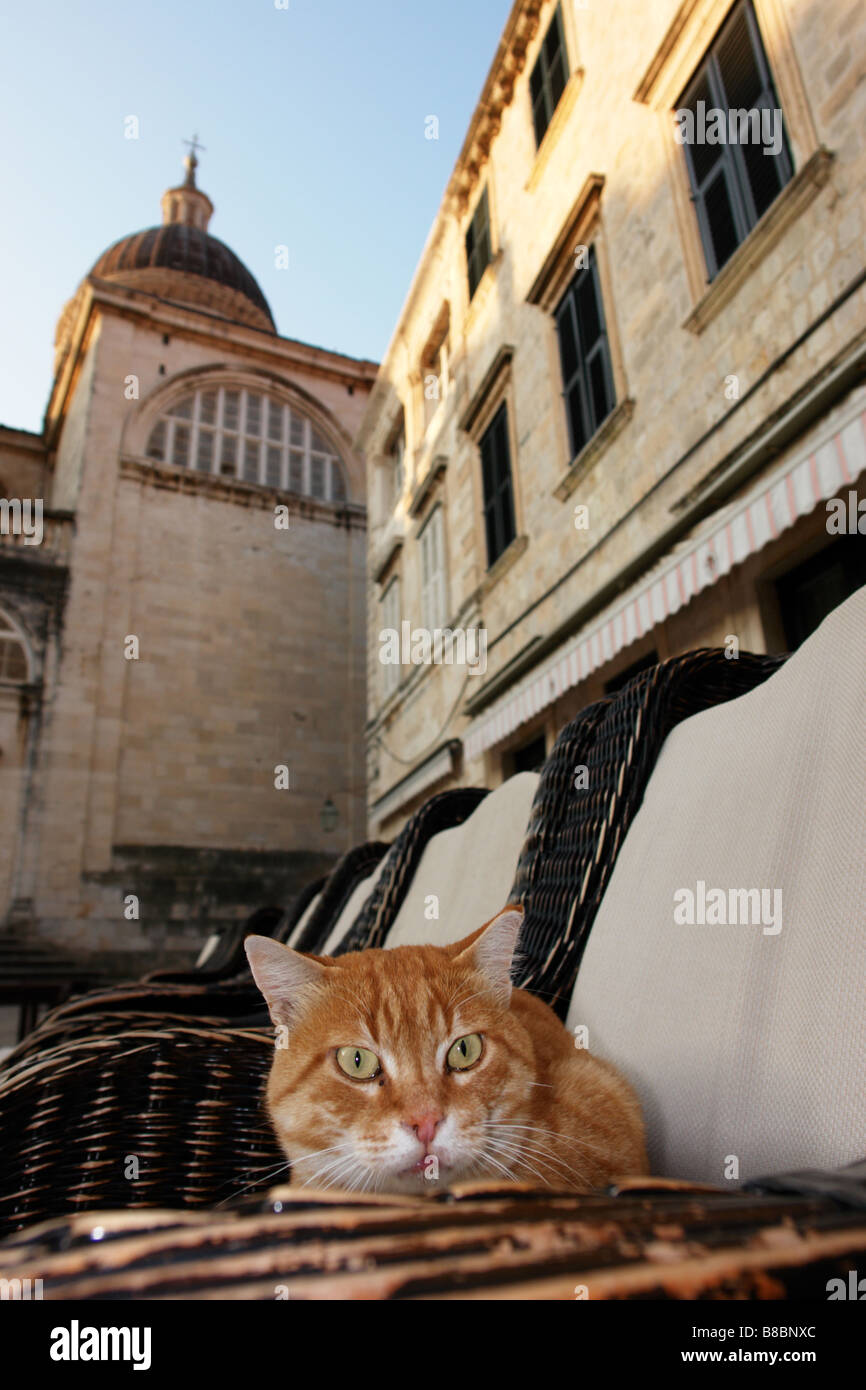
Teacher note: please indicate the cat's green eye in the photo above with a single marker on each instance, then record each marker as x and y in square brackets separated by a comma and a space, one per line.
[464, 1052]
[358, 1062]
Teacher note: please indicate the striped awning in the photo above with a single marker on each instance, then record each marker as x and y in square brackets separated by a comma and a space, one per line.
[723, 540]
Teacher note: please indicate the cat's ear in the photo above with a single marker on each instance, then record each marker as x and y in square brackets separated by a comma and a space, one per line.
[491, 951]
[285, 977]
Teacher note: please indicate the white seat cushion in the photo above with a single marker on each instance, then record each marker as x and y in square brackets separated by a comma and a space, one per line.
[356, 901]
[746, 1042]
[208, 949]
[466, 873]
[304, 919]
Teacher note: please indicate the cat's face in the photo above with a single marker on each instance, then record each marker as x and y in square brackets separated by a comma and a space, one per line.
[394, 1068]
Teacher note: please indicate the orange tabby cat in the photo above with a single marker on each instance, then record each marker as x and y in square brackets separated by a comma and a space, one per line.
[395, 1067]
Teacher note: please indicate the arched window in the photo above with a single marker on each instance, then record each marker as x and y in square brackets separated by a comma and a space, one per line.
[13, 653]
[237, 433]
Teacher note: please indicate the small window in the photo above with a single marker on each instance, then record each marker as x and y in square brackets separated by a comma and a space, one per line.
[735, 181]
[530, 757]
[396, 464]
[478, 252]
[434, 375]
[584, 355]
[814, 588]
[432, 553]
[496, 480]
[391, 622]
[549, 76]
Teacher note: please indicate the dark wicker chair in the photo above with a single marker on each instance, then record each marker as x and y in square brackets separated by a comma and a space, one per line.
[652, 1240]
[124, 1106]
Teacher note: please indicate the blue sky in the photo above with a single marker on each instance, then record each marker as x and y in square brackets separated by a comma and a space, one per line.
[313, 122]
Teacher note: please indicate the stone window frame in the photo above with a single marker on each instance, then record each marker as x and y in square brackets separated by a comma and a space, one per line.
[392, 675]
[434, 520]
[582, 227]
[482, 202]
[497, 486]
[496, 387]
[540, 66]
[728, 168]
[435, 360]
[566, 103]
[680, 54]
[394, 462]
[473, 306]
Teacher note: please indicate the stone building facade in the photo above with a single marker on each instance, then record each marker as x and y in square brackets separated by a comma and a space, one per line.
[621, 413]
[182, 688]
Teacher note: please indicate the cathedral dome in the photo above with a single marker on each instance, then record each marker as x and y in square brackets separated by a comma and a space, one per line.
[181, 261]
[192, 255]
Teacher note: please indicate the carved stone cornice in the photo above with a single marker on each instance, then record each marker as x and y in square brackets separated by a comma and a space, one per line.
[497, 94]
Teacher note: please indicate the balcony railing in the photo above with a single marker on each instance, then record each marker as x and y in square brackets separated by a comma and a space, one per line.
[52, 544]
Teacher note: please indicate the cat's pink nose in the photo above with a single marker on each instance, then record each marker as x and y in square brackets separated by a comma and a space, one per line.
[424, 1125]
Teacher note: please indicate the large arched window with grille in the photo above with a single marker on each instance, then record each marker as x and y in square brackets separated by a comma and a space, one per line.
[238, 433]
[14, 665]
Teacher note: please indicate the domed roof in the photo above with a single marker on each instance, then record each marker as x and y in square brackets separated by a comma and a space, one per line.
[181, 260]
[178, 246]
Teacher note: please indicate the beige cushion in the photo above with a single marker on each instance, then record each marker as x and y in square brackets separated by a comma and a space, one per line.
[353, 907]
[742, 1040]
[469, 869]
[208, 949]
[304, 919]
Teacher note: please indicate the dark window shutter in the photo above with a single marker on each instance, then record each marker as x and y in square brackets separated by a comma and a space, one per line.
[734, 184]
[496, 481]
[478, 250]
[549, 76]
[584, 354]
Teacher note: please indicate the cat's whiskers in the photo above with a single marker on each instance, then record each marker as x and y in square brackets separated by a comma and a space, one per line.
[538, 1147]
[256, 1182]
[518, 1155]
[323, 1168]
[552, 1176]
[261, 1176]
[540, 1151]
[492, 1162]
[334, 1174]
[514, 1157]
[557, 1134]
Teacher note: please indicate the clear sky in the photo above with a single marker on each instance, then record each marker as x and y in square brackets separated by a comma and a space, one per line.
[313, 121]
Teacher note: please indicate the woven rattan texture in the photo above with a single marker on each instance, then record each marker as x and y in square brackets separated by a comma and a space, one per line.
[505, 1244]
[164, 1113]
